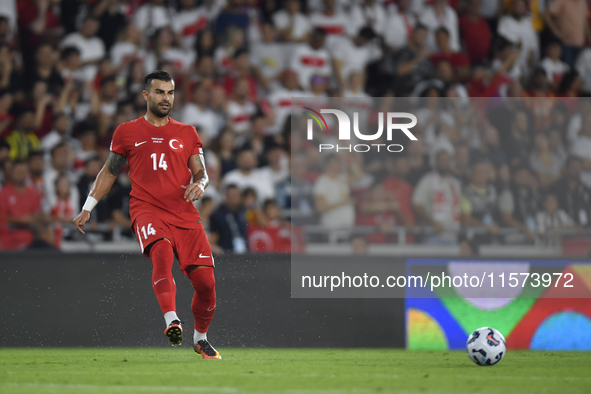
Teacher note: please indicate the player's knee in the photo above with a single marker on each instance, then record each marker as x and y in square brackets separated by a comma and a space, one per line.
[202, 279]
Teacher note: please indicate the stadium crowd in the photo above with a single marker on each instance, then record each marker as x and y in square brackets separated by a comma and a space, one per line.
[71, 71]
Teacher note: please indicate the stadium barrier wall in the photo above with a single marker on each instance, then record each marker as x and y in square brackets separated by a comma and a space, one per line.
[103, 300]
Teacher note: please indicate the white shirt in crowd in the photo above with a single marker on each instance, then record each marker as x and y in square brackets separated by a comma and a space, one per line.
[269, 58]
[581, 148]
[258, 180]
[397, 29]
[554, 69]
[307, 62]
[361, 16]
[188, 24]
[150, 18]
[583, 66]
[356, 58]
[124, 49]
[204, 118]
[181, 58]
[449, 20]
[91, 49]
[240, 115]
[281, 100]
[337, 27]
[299, 27]
[440, 198]
[334, 191]
[522, 34]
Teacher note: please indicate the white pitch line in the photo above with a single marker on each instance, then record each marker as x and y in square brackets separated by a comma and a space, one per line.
[111, 387]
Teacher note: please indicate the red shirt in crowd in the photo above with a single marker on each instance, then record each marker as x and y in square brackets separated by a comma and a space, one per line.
[17, 204]
[477, 38]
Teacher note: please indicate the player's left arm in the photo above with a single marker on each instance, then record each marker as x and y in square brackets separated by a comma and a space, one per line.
[195, 190]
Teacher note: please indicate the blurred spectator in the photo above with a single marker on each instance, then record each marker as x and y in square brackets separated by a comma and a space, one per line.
[268, 58]
[359, 245]
[59, 133]
[61, 211]
[552, 65]
[334, 22]
[581, 145]
[232, 42]
[6, 117]
[568, 21]
[91, 47]
[583, 66]
[61, 161]
[396, 184]
[489, 148]
[368, 13]
[241, 110]
[36, 164]
[198, 114]
[277, 169]
[205, 205]
[518, 204]
[573, 196]
[381, 209]
[298, 193]
[440, 14]
[188, 23]
[23, 140]
[399, 26]
[516, 142]
[164, 50]
[412, 61]
[282, 98]
[552, 217]
[112, 19]
[332, 196]
[153, 15]
[459, 61]
[228, 224]
[254, 213]
[247, 175]
[292, 24]
[479, 202]
[87, 147]
[546, 164]
[436, 201]
[127, 50]
[518, 29]
[308, 59]
[20, 210]
[241, 71]
[475, 30]
[234, 14]
[45, 70]
[354, 56]
[71, 65]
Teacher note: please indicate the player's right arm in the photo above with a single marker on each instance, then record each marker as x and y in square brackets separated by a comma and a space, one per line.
[100, 188]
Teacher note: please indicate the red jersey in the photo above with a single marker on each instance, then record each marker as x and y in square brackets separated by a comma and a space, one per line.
[158, 159]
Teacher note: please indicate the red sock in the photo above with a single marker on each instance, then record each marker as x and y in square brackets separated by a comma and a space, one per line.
[203, 305]
[162, 258]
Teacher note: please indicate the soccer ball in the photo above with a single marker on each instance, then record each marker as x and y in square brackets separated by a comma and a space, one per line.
[486, 346]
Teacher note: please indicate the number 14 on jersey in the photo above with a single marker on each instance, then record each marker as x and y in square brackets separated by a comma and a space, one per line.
[161, 164]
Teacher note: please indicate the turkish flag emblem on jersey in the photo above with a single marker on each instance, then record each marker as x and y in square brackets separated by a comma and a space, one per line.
[176, 144]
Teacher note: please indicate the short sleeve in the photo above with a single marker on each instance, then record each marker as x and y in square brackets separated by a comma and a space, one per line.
[421, 193]
[117, 142]
[198, 147]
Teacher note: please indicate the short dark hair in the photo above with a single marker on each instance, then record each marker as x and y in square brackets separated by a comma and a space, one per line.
[58, 146]
[157, 74]
[69, 51]
[35, 153]
[443, 30]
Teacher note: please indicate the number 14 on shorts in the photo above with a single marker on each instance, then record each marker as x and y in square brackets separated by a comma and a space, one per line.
[148, 231]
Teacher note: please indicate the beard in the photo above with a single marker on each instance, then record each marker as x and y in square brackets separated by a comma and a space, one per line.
[158, 111]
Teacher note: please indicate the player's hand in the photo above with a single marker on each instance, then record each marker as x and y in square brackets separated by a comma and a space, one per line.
[193, 192]
[80, 220]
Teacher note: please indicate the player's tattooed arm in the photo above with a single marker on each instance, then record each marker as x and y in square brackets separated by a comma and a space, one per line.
[195, 190]
[115, 163]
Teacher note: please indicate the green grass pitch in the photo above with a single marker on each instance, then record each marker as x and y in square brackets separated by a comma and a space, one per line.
[292, 371]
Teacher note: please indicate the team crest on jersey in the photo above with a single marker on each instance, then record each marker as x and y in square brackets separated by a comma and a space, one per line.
[176, 144]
